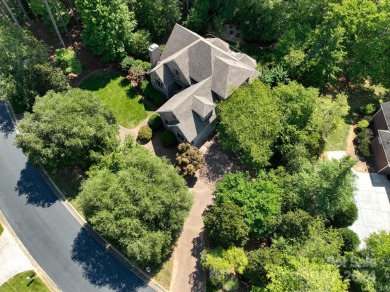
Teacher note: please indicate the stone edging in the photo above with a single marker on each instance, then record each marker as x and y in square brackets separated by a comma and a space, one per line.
[118, 255]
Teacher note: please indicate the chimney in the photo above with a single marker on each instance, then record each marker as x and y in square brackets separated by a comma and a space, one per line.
[154, 54]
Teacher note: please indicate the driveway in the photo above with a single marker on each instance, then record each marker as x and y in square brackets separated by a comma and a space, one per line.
[372, 198]
[73, 259]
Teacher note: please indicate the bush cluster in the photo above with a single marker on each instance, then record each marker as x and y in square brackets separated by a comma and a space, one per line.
[67, 60]
[188, 159]
[346, 217]
[362, 139]
[155, 122]
[149, 92]
[145, 134]
[351, 240]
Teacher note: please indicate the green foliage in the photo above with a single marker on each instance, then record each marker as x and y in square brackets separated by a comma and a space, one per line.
[49, 78]
[320, 246]
[363, 124]
[351, 240]
[140, 44]
[158, 17]
[24, 68]
[225, 224]
[324, 188]
[368, 109]
[127, 63]
[148, 91]
[108, 27]
[293, 225]
[259, 198]
[198, 18]
[304, 274]
[138, 202]
[250, 109]
[145, 134]
[274, 75]
[65, 127]
[188, 159]
[222, 263]
[68, 61]
[362, 140]
[155, 122]
[345, 217]
[378, 251]
[168, 139]
[39, 7]
[137, 70]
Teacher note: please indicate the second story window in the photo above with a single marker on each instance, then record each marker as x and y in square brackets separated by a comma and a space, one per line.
[159, 83]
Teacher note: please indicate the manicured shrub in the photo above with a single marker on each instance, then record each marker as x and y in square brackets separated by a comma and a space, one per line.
[293, 224]
[148, 91]
[351, 240]
[345, 218]
[168, 139]
[155, 122]
[145, 134]
[368, 109]
[363, 124]
[127, 63]
[67, 60]
[188, 159]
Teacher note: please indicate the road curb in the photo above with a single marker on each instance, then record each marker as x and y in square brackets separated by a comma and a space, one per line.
[41, 273]
[112, 250]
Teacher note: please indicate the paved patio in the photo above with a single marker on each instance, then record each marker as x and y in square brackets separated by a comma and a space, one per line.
[372, 198]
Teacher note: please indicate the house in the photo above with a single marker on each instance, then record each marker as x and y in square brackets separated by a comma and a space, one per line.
[194, 73]
[380, 145]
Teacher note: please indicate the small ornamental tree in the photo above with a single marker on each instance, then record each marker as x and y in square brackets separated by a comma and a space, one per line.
[225, 224]
[155, 122]
[188, 159]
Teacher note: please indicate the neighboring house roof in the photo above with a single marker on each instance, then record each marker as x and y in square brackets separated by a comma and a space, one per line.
[211, 65]
[384, 140]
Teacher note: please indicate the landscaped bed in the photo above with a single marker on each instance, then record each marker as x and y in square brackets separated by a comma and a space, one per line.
[116, 92]
[19, 283]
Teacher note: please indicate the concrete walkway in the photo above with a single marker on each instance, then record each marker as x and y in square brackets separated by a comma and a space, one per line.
[373, 201]
[13, 260]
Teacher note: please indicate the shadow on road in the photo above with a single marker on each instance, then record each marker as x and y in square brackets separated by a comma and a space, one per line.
[6, 125]
[33, 186]
[101, 268]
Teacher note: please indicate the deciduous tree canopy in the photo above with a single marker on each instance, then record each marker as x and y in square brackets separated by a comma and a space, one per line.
[138, 201]
[64, 128]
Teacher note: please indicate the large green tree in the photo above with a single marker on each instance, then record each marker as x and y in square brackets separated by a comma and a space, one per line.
[24, 68]
[250, 123]
[138, 201]
[156, 16]
[64, 128]
[108, 27]
[258, 198]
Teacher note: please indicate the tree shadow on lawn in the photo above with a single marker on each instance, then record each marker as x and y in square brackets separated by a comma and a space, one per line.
[6, 125]
[32, 185]
[101, 268]
[98, 81]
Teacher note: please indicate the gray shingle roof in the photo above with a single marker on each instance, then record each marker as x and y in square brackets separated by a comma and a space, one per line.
[386, 111]
[384, 136]
[212, 64]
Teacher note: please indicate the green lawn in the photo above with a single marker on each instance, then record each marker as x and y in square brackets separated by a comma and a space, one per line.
[19, 283]
[1, 229]
[116, 92]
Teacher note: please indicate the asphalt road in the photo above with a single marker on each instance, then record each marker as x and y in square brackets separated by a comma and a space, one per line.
[73, 259]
